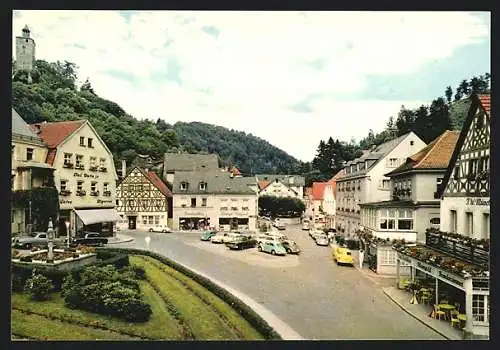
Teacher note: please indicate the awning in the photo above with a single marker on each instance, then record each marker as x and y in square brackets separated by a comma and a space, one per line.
[93, 216]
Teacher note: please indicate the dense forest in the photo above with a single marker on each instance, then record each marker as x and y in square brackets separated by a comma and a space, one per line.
[447, 112]
[53, 95]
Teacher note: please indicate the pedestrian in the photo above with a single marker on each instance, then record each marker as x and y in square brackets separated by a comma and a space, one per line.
[148, 240]
[361, 258]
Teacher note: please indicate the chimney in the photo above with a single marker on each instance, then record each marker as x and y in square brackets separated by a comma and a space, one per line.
[124, 168]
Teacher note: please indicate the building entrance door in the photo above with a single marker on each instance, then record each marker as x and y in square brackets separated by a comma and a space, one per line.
[132, 222]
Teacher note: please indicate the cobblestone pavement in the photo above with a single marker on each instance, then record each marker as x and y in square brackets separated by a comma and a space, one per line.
[317, 298]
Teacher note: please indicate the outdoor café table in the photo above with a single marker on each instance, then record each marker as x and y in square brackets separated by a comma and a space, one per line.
[446, 308]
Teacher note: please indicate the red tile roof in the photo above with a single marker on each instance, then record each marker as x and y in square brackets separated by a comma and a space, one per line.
[317, 190]
[263, 184]
[157, 182]
[55, 133]
[440, 151]
[485, 100]
[234, 170]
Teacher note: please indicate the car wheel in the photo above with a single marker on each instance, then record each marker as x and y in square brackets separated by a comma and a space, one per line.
[259, 248]
[150, 230]
[288, 251]
[273, 252]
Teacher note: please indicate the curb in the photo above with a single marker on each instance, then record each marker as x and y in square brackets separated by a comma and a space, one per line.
[123, 239]
[283, 329]
[413, 315]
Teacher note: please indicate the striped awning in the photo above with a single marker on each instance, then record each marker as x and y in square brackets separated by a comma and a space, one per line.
[94, 216]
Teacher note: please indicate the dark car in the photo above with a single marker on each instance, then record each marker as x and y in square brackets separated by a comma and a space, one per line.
[91, 239]
[242, 242]
[291, 247]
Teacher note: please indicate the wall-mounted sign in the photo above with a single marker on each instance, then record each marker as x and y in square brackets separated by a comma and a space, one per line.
[477, 201]
[425, 267]
[91, 176]
[451, 278]
[64, 201]
[101, 201]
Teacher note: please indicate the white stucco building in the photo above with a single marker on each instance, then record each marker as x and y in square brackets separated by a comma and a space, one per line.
[218, 199]
[281, 185]
[414, 204]
[364, 180]
[85, 175]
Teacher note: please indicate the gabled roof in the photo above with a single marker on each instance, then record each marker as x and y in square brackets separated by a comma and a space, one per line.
[55, 133]
[217, 182]
[485, 100]
[436, 155]
[477, 101]
[376, 153]
[263, 184]
[21, 129]
[288, 180]
[190, 162]
[333, 181]
[155, 180]
[318, 189]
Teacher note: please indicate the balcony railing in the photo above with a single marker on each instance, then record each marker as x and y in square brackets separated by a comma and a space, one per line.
[106, 193]
[79, 166]
[68, 165]
[94, 193]
[81, 193]
[64, 192]
[462, 247]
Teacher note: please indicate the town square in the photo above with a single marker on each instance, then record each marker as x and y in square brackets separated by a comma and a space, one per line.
[199, 176]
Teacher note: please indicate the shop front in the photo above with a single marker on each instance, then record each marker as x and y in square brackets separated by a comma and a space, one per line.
[233, 223]
[454, 283]
[193, 223]
[95, 220]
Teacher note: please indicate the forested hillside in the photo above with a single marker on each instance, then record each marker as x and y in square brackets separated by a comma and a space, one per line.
[54, 96]
[428, 122]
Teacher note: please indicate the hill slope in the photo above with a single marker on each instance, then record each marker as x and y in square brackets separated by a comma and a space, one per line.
[53, 96]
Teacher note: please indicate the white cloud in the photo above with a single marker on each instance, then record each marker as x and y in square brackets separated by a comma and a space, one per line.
[259, 65]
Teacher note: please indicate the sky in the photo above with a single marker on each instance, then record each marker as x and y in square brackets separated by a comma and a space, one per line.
[290, 78]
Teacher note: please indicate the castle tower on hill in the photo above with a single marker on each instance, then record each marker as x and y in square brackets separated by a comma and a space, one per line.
[25, 52]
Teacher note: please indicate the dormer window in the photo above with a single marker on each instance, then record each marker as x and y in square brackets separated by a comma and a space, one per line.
[184, 186]
[203, 186]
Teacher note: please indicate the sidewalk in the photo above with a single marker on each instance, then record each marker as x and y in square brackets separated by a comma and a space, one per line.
[421, 313]
[119, 238]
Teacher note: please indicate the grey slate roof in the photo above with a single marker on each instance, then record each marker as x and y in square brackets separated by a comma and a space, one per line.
[217, 182]
[377, 153]
[284, 179]
[190, 162]
[21, 129]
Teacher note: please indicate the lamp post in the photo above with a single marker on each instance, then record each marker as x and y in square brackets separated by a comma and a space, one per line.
[67, 233]
[50, 237]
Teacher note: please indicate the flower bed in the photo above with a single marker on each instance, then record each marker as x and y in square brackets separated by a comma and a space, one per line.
[443, 261]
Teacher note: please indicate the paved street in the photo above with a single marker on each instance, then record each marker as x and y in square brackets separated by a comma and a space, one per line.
[317, 298]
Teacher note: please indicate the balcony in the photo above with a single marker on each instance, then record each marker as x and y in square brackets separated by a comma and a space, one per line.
[94, 193]
[94, 168]
[81, 193]
[68, 165]
[103, 169]
[106, 193]
[79, 167]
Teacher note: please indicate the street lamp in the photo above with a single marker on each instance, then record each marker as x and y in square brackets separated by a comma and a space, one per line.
[67, 233]
[50, 237]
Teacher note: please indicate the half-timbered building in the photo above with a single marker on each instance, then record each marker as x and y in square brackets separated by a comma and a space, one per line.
[143, 201]
[465, 204]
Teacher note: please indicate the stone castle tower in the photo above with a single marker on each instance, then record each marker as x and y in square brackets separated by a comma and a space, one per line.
[25, 52]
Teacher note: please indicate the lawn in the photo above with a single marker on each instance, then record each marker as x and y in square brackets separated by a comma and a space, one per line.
[182, 310]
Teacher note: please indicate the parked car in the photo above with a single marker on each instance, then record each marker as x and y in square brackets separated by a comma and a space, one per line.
[160, 228]
[27, 241]
[270, 237]
[313, 232]
[223, 237]
[241, 242]
[291, 247]
[343, 256]
[280, 225]
[207, 235]
[90, 239]
[305, 225]
[322, 240]
[275, 248]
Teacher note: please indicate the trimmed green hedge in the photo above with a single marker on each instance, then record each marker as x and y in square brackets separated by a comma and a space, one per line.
[244, 310]
[20, 273]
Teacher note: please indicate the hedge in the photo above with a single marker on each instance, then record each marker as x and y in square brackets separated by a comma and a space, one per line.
[244, 310]
[22, 272]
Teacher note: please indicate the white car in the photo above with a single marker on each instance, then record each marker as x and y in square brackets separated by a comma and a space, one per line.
[322, 240]
[224, 237]
[160, 228]
[305, 225]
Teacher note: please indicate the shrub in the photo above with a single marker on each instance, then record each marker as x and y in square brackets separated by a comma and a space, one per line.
[352, 244]
[25, 258]
[39, 287]
[134, 272]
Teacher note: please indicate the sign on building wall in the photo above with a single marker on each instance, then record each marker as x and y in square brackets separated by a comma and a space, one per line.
[477, 201]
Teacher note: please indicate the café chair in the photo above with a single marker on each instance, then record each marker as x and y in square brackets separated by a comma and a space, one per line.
[425, 298]
[454, 319]
[438, 313]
